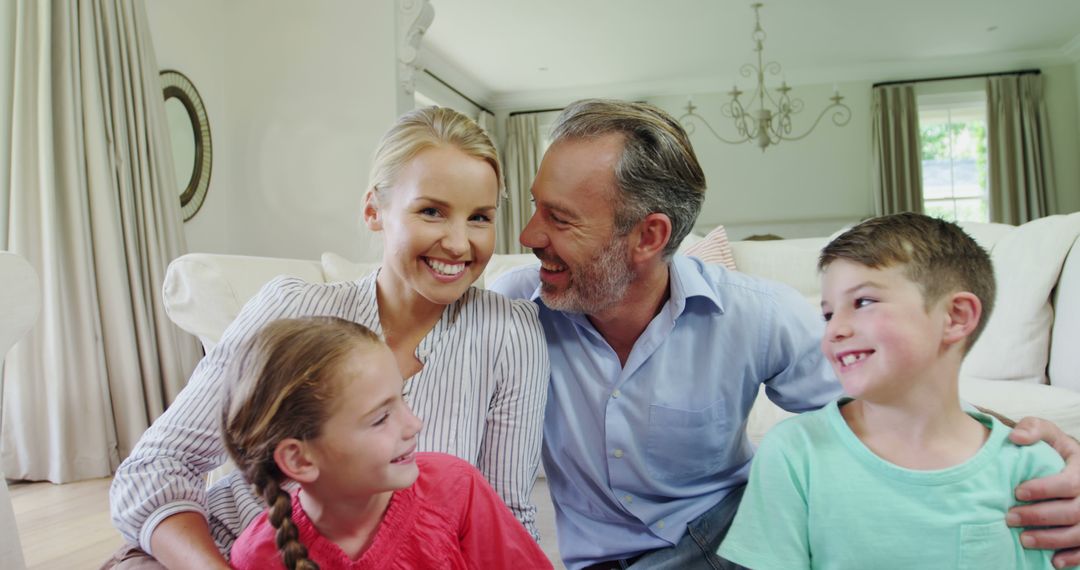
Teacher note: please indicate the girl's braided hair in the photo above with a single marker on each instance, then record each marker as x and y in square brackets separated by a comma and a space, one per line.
[282, 387]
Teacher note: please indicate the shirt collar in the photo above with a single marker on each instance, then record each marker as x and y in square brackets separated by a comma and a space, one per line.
[688, 280]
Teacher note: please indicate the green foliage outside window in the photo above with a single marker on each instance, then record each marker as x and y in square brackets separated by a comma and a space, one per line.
[943, 141]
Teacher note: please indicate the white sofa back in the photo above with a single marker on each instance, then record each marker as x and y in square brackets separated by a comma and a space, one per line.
[1031, 338]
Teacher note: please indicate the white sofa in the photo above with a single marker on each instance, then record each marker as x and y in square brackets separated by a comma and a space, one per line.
[1026, 363]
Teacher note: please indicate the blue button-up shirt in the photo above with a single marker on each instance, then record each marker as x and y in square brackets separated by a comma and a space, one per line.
[634, 453]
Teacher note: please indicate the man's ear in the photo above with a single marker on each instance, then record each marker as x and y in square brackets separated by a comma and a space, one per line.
[963, 311]
[372, 215]
[652, 236]
[294, 459]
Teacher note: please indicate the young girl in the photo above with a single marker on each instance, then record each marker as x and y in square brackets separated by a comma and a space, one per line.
[318, 401]
[475, 363]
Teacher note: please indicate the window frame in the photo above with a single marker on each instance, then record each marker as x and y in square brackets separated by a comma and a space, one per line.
[967, 103]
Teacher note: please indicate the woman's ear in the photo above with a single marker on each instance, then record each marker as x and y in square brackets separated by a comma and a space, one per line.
[653, 234]
[293, 458]
[372, 216]
[963, 311]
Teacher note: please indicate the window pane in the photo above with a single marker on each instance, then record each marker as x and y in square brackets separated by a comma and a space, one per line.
[943, 210]
[972, 209]
[953, 147]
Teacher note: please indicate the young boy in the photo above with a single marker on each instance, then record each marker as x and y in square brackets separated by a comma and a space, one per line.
[898, 475]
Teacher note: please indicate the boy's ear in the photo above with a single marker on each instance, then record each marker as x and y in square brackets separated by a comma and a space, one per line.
[653, 234]
[963, 311]
[372, 216]
[294, 459]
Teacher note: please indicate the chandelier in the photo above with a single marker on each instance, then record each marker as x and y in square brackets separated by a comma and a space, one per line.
[765, 119]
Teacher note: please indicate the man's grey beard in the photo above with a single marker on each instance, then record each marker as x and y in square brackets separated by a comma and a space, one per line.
[598, 284]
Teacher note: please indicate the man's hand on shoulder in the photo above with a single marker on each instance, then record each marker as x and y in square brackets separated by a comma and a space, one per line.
[1060, 493]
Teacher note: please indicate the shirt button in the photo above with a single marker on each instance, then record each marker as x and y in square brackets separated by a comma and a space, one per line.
[616, 393]
[628, 499]
[660, 524]
[618, 453]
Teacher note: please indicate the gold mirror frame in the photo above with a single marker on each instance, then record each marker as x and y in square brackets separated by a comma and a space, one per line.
[175, 85]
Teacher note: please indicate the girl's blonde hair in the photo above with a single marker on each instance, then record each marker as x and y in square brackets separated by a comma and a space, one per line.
[424, 128]
[282, 387]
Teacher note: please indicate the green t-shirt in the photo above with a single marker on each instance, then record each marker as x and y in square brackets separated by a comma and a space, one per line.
[819, 498]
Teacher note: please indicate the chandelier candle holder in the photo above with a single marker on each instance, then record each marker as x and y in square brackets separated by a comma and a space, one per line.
[766, 119]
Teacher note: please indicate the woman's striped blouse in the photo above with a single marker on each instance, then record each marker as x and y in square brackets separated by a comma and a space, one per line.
[481, 393]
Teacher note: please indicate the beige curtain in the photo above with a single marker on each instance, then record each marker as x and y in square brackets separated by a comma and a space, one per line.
[524, 149]
[487, 122]
[92, 204]
[7, 91]
[897, 156]
[1018, 149]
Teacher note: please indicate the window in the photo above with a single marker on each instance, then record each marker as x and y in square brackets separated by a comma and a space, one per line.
[952, 135]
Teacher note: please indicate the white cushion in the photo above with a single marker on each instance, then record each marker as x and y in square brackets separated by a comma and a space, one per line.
[337, 268]
[790, 261]
[1027, 261]
[986, 234]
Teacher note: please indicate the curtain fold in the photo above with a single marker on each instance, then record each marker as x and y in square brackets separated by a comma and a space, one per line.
[92, 204]
[524, 149]
[897, 155]
[486, 120]
[1018, 149]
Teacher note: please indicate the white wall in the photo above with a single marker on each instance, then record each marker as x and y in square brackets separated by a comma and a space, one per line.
[1076, 76]
[795, 189]
[298, 94]
[189, 37]
[819, 184]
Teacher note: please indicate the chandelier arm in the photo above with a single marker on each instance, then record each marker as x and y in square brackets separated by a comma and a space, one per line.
[772, 100]
[841, 116]
[745, 124]
[774, 68]
[748, 70]
[690, 128]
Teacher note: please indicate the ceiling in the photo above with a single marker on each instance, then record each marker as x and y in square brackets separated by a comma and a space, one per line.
[534, 53]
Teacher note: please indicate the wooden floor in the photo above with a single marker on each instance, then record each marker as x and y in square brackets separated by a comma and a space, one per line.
[67, 526]
[64, 526]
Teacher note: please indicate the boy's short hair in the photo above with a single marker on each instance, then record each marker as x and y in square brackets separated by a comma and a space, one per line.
[935, 254]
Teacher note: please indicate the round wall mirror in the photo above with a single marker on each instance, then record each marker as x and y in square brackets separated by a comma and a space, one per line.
[189, 130]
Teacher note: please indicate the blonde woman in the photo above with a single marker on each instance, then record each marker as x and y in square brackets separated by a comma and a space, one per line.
[475, 363]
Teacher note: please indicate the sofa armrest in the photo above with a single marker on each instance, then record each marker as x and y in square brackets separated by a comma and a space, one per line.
[203, 292]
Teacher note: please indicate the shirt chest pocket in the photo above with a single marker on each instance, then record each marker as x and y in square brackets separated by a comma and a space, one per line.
[986, 546]
[684, 444]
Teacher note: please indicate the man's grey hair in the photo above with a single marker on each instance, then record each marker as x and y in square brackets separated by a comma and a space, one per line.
[657, 172]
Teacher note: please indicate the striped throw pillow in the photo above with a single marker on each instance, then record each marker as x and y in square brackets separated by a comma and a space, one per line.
[713, 248]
